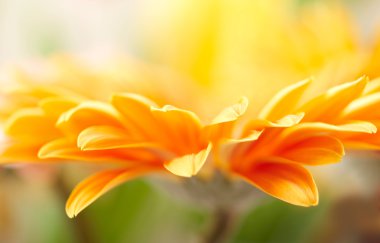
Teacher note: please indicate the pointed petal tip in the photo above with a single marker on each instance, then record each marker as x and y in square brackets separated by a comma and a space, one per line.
[373, 129]
[243, 101]
[306, 81]
[82, 142]
[311, 200]
[165, 108]
[188, 165]
[43, 154]
[358, 84]
[288, 182]
[291, 120]
[367, 127]
[232, 112]
[70, 213]
[89, 190]
[284, 101]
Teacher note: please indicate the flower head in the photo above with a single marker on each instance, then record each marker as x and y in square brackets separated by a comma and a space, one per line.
[139, 137]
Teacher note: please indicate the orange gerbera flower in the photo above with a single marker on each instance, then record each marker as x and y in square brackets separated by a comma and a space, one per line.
[316, 135]
[139, 137]
[63, 119]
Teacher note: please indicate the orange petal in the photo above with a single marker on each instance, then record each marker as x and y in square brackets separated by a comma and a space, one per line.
[88, 114]
[253, 136]
[181, 128]
[11, 153]
[288, 182]
[305, 129]
[106, 137]
[364, 108]
[363, 144]
[364, 141]
[327, 106]
[55, 106]
[95, 186]
[67, 149]
[31, 125]
[223, 124]
[136, 113]
[188, 165]
[229, 148]
[315, 151]
[286, 121]
[285, 101]
[231, 113]
[373, 86]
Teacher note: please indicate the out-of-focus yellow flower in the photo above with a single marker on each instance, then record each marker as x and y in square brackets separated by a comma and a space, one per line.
[373, 68]
[252, 48]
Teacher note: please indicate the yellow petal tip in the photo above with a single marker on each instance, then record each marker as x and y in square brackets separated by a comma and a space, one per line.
[188, 165]
[232, 113]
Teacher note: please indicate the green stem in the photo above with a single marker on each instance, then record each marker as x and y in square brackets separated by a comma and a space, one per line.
[221, 226]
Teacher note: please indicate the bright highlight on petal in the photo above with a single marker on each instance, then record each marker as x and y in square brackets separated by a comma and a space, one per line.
[231, 113]
[284, 101]
[107, 137]
[188, 165]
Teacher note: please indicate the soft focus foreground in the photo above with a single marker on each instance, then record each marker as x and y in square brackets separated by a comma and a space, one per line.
[119, 115]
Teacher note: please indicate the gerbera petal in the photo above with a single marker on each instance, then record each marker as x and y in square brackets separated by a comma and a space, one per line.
[223, 124]
[373, 86]
[88, 114]
[67, 149]
[64, 148]
[181, 128]
[253, 136]
[284, 101]
[317, 150]
[97, 185]
[228, 147]
[31, 124]
[286, 121]
[288, 182]
[136, 113]
[55, 106]
[11, 153]
[363, 108]
[303, 129]
[326, 106]
[232, 112]
[364, 140]
[188, 165]
[106, 137]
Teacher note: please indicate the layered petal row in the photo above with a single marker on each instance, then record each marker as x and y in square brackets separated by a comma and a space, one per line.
[139, 137]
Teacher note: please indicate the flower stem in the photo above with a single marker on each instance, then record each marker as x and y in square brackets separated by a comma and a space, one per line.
[221, 226]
